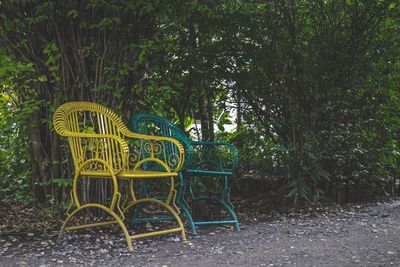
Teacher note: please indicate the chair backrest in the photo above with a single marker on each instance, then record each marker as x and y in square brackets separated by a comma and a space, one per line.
[87, 126]
[151, 124]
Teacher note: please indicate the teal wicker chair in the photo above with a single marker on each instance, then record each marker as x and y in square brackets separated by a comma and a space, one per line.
[204, 179]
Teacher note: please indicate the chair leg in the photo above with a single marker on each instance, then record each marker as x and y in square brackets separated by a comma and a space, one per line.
[180, 229]
[117, 220]
[234, 220]
[190, 218]
[233, 214]
[115, 203]
[180, 200]
[223, 200]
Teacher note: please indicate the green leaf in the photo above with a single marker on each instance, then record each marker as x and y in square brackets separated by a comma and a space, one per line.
[72, 13]
[42, 78]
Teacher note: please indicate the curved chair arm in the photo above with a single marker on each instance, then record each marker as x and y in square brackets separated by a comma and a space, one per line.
[138, 124]
[215, 149]
[188, 148]
[156, 148]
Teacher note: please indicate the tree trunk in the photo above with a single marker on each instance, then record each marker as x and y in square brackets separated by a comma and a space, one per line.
[203, 118]
[210, 116]
[40, 172]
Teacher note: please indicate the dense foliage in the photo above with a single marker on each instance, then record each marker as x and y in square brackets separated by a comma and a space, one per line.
[312, 87]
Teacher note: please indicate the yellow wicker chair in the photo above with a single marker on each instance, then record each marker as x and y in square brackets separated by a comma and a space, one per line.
[102, 147]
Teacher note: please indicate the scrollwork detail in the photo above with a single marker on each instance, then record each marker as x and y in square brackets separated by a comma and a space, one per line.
[173, 161]
[158, 147]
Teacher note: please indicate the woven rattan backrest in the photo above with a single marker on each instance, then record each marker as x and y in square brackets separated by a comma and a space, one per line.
[93, 133]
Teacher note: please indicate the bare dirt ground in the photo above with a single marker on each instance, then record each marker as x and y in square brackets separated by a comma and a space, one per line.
[367, 235]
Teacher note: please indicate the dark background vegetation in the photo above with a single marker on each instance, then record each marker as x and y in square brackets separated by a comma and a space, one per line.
[313, 85]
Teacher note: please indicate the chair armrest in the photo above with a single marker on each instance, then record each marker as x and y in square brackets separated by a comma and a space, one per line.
[223, 155]
[165, 151]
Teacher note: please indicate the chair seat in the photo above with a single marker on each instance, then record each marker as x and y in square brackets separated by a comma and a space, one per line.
[128, 174]
[145, 174]
[207, 172]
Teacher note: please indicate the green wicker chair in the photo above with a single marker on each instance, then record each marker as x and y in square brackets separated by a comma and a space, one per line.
[207, 164]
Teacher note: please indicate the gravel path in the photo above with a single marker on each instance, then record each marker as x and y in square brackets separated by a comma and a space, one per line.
[362, 236]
